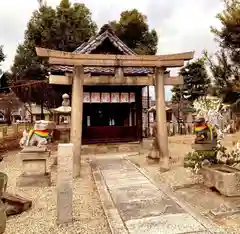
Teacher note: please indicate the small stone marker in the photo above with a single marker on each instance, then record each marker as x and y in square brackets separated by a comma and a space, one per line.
[64, 183]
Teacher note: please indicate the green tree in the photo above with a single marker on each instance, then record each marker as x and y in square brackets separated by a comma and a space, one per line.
[3, 76]
[225, 64]
[2, 56]
[223, 75]
[228, 35]
[177, 92]
[132, 28]
[196, 81]
[5, 80]
[62, 28]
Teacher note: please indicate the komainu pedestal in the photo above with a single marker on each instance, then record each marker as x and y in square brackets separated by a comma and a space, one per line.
[34, 167]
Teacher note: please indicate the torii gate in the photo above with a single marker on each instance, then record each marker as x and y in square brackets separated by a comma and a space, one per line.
[159, 62]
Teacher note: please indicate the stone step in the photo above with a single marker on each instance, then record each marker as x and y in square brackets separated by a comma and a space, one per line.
[110, 148]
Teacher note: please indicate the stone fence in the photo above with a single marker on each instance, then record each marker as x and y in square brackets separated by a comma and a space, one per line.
[188, 128]
[14, 129]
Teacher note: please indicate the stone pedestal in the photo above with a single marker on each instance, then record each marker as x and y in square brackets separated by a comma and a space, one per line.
[204, 147]
[34, 167]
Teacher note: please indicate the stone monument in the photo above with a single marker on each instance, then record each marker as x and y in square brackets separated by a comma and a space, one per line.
[64, 183]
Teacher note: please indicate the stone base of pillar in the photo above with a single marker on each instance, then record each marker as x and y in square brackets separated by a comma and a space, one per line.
[34, 180]
[164, 164]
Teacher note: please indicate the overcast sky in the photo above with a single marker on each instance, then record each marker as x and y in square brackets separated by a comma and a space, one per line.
[182, 25]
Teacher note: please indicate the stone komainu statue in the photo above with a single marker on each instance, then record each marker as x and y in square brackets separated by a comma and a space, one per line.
[205, 132]
[39, 136]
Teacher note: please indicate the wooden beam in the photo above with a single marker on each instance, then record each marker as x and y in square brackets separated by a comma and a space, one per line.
[60, 80]
[116, 63]
[67, 58]
[173, 80]
[111, 80]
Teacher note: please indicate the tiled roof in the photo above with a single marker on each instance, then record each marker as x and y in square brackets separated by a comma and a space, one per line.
[92, 44]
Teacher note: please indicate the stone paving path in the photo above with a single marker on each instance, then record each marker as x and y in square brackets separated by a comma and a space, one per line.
[133, 204]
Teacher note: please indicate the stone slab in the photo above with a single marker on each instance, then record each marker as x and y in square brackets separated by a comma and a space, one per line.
[123, 175]
[115, 222]
[34, 180]
[165, 224]
[112, 164]
[147, 208]
[120, 172]
[135, 193]
[118, 183]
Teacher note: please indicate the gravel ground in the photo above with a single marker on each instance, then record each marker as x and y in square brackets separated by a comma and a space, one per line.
[88, 215]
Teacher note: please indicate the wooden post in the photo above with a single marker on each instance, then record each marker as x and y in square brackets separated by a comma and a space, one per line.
[161, 120]
[76, 118]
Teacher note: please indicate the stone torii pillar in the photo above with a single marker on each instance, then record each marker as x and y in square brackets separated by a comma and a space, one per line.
[76, 118]
[161, 120]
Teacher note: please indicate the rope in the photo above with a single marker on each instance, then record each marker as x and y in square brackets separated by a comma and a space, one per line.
[27, 84]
